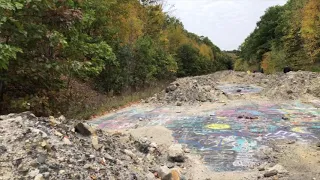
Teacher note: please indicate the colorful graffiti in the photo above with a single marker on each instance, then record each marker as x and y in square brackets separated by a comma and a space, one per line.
[226, 138]
[239, 88]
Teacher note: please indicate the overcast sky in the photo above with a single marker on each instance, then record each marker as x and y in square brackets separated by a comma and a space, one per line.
[226, 22]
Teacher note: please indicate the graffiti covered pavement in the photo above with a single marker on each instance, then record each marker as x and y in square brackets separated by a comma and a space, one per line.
[226, 136]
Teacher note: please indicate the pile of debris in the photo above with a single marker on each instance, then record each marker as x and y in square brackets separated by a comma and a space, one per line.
[280, 86]
[55, 148]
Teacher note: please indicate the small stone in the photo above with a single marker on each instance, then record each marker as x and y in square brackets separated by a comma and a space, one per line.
[239, 90]
[53, 121]
[66, 141]
[285, 118]
[186, 150]
[107, 156]
[173, 175]
[87, 166]
[39, 177]
[95, 142]
[62, 171]
[280, 169]
[289, 92]
[151, 149]
[163, 171]
[46, 174]
[291, 141]
[150, 176]
[43, 168]
[270, 173]
[41, 159]
[179, 104]
[153, 144]
[34, 173]
[92, 156]
[83, 129]
[130, 153]
[318, 144]
[176, 153]
[261, 168]
[3, 149]
[170, 165]
[43, 144]
[61, 118]
[57, 133]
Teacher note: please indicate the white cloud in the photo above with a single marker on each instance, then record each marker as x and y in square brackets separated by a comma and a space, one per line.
[226, 22]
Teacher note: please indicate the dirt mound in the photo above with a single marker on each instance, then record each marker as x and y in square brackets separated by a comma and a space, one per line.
[49, 148]
[224, 85]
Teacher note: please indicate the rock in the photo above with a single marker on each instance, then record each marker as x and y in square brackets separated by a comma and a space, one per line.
[173, 175]
[39, 177]
[150, 176]
[3, 149]
[280, 169]
[34, 173]
[66, 141]
[108, 156]
[289, 92]
[179, 104]
[95, 143]
[153, 144]
[38, 131]
[202, 97]
[171, 88]
[270, 173]
[57, 133]
[62, 118]
[83, 129]
[285, 118]
[23, 165]
[62, 171]
[53, 121]
[43, 168]
[318, 144]
[239, 90]
[41, 159]
[130, 153]
[170, 165]
[87, 166]
[291, 141]
[143, 145]
[176, 153]
[151, 149]
[46, 174]
[186, 150]
[163, 171]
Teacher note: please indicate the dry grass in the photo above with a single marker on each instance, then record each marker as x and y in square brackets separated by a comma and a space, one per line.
[87, 103]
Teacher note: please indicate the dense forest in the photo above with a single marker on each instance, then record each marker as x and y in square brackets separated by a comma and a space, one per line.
[286, 35]
[114, 46]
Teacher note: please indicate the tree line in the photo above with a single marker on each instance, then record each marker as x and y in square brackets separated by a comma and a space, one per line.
[286, 35]
[113, 45]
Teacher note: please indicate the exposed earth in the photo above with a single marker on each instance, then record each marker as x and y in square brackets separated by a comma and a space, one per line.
[227, 125]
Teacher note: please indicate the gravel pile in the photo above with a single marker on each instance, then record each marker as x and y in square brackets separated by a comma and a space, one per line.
[52, 148]
[280, 86]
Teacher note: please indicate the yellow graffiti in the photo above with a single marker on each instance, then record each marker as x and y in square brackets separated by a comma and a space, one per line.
[298, 130]
[218, 126]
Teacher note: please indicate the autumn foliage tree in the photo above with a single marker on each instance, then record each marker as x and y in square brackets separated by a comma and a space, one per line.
[286, 35]
[116, 46]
